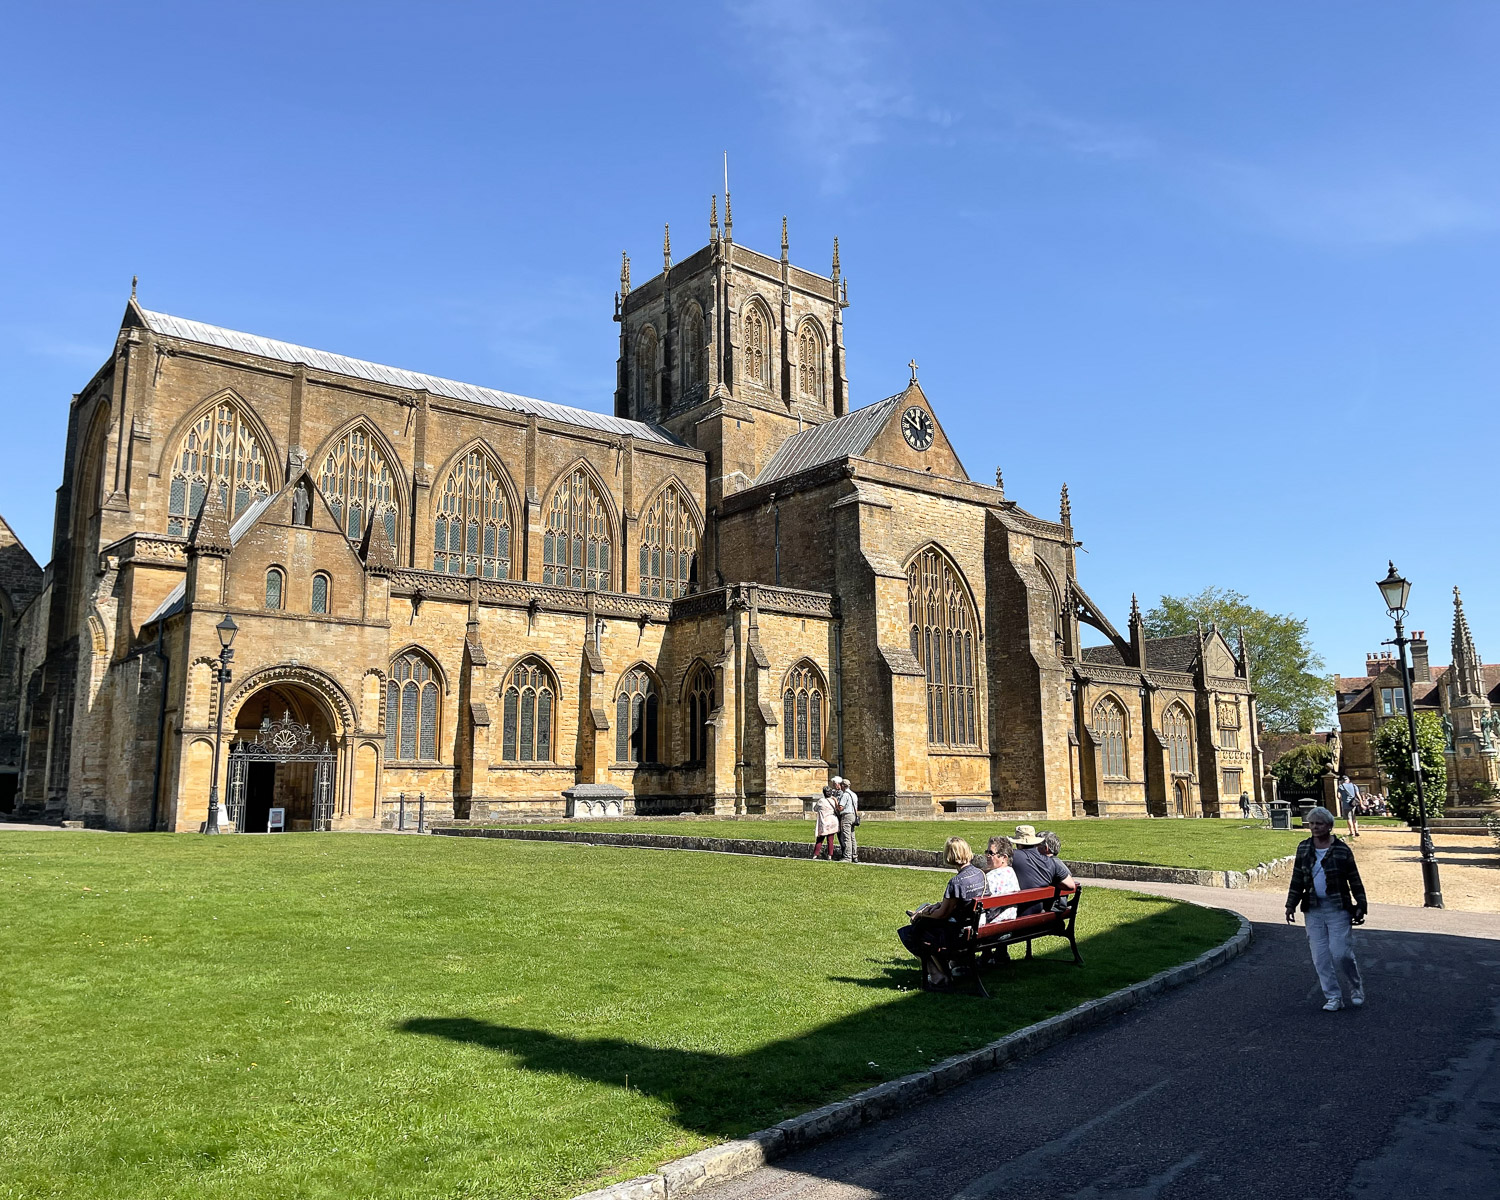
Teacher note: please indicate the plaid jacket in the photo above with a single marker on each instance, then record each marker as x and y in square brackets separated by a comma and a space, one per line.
[1344, 884]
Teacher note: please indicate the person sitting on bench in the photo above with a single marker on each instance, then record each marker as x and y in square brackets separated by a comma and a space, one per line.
[999, 879]
[933, 926]
[1036, 863]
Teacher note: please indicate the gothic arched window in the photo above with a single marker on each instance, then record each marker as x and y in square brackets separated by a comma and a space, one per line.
[699, 695]
[411, 710]
[802, 713]
[810, 362]
[637, 710]
[319, 593]
[471, 535]
[1177, 732]
[645, 373]
[275, 588]
[944, 633]
[220, 450]
[1109, 734]
[356, 481]
[576, 549]
[529, 704]
[694, 348]
[669, 546]
[755, 344]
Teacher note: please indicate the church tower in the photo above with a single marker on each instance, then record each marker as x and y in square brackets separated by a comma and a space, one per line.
[731, 350]
[1474, 750]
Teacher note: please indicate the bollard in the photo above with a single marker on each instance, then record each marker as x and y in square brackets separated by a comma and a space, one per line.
[421, 811]
[401, 814]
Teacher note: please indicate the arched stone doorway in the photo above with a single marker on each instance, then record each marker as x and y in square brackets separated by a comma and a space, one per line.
[283, 756]
[1180, 797]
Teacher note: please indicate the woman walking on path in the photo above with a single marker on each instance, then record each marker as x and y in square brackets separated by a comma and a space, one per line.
[827, 825]
[1326, 885]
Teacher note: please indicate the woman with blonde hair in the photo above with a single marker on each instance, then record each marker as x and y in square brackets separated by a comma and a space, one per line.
[934, 926]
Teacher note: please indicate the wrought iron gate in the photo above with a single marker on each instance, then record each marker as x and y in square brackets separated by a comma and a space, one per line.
[283, 741]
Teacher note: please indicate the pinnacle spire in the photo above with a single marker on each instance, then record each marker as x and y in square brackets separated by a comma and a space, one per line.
[835, 258]
[999, 481]
[1135, 609]
[1067, 507]
[1466, 663]
[134, 279]
[728, 214]
[624, 273]
[713, 217]
[784, 242]
[666, 248]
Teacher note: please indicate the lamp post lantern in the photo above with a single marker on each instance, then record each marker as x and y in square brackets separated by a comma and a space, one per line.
[226, 629]
[1395, 591]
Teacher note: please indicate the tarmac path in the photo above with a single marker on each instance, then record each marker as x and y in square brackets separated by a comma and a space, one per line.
[1236, 1085]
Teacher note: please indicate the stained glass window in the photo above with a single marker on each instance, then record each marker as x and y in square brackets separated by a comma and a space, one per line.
[755, 344]
[1177, 732]
[694, 347]
[636, 709]
[528, 701]
[472, 531]
[411, 710]
[275, 585]
[944, 630]
[576, 548]
[810, 359]
[1109, 735]
[220, 450]
[356, 482]
[700, 703]
[645, 374]
[669, 546]
[802, 713]
[320, 593]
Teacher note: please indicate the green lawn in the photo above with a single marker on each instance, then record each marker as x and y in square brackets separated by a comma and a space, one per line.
[340, 1015]
[1227, 845]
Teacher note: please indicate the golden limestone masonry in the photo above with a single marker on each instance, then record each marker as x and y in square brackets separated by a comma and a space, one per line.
[735, 585]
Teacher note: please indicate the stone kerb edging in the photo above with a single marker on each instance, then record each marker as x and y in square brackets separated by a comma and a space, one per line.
[888, 856]
[728, 1160]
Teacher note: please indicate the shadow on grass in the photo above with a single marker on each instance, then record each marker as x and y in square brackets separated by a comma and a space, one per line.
[727, 1095]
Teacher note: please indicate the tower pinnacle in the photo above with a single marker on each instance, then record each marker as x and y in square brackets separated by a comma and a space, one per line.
[1466, 664]
[666, 247]
[624, 273]
[1067, 507]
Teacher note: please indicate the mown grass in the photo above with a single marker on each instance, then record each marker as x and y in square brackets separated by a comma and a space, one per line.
[327, 1015]
[1215, 845]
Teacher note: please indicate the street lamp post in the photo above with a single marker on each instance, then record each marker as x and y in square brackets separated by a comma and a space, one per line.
[1395, 590]
[226, 630]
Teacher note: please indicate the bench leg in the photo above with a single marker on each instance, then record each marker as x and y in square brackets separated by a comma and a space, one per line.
[1077, 958]
[1028, 948]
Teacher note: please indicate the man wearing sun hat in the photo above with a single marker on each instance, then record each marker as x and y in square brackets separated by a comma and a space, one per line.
[1036, 863]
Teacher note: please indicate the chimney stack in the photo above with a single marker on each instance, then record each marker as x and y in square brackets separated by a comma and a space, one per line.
[1421, 669]
[1378, 663]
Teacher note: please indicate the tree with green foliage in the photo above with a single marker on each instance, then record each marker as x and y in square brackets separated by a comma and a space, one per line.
[1300, 770]
[1393, 747]
[1292, 691]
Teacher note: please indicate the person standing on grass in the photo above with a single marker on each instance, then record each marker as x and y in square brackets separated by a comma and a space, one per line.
[846, 807]
[1326, 886]
[827, 825]
[1349, 803]
[1245, 805]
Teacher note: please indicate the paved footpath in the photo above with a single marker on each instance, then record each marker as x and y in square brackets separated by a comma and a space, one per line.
[1237, 1085]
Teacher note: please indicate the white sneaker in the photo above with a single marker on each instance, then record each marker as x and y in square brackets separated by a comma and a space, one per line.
[1333, 1006]
[1357, 997]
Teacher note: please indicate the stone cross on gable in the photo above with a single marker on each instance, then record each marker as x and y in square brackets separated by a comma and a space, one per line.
[913, 366]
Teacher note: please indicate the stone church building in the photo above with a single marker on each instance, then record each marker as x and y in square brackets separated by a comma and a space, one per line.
[711, 599]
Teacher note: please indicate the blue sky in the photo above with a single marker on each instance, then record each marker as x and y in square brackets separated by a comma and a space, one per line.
[1228, 270]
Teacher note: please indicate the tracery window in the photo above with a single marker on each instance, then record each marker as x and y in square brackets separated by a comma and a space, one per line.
[636, 718]
[275, 588]
[319, 593]
[944, 632]
[1229, 725]
[645, 373]
[694, 348]
[528, 703]
[471, 535]
[357, 484]
[755, 344]
[576, 549]
[810, 362]
[669, 546]
[1109, 734]
[411, 710]
[700, 703]
[220, 450]
[1177, 732]
[802, 713]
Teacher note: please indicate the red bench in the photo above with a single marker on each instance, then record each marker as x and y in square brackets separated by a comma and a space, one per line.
[977, 946]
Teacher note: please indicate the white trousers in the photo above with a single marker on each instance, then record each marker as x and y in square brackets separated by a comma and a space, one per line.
[1331, 938]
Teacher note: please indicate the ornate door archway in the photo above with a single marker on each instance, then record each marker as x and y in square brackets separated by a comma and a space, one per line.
[283, 761]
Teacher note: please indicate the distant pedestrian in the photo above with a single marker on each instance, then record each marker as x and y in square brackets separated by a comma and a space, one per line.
[1349, 803]
[846, 808]
[827, 825]
[1245, 805]
[1326, 886]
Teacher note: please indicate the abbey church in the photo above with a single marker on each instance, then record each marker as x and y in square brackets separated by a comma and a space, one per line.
[735, 584]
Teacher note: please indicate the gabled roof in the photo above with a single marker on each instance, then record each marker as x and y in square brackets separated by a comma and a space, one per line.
[358, 368]
[173, 602]
[843, 437]
[1178, 653]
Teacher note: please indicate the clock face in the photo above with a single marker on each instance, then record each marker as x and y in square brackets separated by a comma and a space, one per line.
[916, 425]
